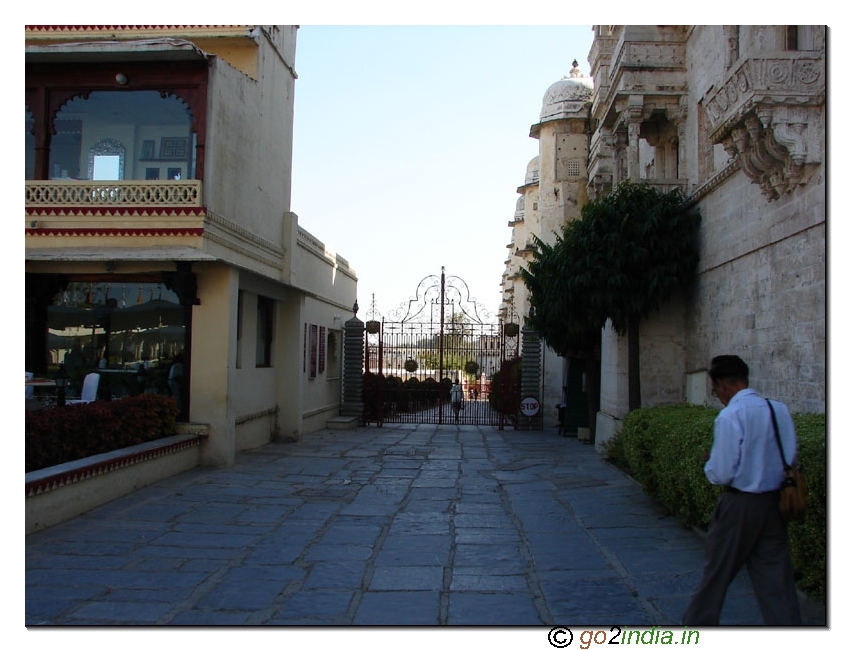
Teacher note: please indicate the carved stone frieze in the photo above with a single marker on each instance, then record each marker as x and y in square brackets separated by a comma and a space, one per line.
[767, 115]
[650, 54]
[790, 81]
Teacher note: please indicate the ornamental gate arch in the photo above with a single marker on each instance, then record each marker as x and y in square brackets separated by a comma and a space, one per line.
[413, 356]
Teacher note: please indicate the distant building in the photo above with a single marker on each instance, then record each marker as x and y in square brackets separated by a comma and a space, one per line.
[554, 190]
[158, 169]
[735, 116]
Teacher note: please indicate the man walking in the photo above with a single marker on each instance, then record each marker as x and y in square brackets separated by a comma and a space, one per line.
[746, 527]
[456, 395]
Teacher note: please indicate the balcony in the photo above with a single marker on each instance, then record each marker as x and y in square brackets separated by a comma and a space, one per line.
[113, 194]
[769, 116]
[131, 211]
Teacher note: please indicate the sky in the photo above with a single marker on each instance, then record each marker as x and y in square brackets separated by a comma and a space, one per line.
[410, 143]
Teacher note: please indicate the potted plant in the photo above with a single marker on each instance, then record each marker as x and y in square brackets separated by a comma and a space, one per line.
[410, 365]
[471, 367]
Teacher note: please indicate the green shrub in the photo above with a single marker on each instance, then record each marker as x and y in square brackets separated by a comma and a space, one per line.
[66, 433]
[504, 394]
[808, 537]
[664, 449]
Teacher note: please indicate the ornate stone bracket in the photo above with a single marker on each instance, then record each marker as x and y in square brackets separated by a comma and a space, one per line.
[777, 147]
[768, 116]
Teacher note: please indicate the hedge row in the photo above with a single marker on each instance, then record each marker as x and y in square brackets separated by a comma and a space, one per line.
[62, 434]
[664, 449]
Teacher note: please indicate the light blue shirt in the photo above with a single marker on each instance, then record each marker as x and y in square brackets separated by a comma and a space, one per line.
[744, 454]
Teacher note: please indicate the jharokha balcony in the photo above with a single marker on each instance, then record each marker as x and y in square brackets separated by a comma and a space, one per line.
[114, 149]
[112, 194]
[82, 208]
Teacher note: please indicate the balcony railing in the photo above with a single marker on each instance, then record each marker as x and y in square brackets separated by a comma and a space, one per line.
[113, 193]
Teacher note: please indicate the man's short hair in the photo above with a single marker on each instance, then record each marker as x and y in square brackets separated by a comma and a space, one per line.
[729, 366]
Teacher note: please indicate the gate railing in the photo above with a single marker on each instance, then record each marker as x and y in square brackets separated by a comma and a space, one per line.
[438, 337]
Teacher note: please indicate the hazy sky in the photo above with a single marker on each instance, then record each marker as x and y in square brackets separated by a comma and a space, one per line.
[410, 143]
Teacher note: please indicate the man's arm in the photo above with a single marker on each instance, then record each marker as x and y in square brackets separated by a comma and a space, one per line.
[725, 457]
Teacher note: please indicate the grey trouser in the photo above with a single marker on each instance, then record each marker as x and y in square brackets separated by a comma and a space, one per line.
[747, 529]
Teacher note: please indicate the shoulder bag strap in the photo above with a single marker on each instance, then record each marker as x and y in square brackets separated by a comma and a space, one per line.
[776, 433]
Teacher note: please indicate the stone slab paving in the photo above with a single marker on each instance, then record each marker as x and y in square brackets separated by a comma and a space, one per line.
[396, 525]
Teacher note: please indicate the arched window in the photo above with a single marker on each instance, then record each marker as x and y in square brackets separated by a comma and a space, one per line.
[122, 135]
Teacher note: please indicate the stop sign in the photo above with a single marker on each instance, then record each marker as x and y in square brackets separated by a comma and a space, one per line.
[529, 406]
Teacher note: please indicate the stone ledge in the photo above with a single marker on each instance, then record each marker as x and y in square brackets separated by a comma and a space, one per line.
[343, 422]
[56, 494]
[192, 428]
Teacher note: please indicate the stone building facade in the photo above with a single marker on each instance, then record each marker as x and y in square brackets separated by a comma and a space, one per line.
[554, 190]
[735, 116]
[158, 226]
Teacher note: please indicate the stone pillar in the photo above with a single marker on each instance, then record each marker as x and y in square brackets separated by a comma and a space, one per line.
[633, 151]
[633, 117]
[530, 375]
[352, 372]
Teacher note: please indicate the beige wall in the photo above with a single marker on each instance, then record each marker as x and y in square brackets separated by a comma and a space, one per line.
[213, 355]
[248, 161]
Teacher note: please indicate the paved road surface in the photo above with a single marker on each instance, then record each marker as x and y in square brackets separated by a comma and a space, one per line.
[398, 525]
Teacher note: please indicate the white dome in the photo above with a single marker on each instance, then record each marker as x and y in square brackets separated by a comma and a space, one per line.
[567, 97]
[519, 214]
[532, 172]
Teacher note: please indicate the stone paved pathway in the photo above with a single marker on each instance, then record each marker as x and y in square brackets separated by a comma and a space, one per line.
[398, 525]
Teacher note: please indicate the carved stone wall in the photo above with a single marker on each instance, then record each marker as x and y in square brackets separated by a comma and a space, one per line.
[760, 287]
[767, 113]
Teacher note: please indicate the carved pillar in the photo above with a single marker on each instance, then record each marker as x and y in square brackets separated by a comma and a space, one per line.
[679, 117]
[620, 157]
[731, 32]
[633, 150]
[352, 372]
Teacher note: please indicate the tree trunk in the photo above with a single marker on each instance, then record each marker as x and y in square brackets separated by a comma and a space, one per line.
[634, 362]
[591, 368]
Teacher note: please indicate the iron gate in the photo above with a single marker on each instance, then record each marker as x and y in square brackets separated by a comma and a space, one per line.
[440, 336]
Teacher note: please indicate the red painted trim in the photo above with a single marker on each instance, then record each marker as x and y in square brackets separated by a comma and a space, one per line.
[34, 488]
[86, 28]
[152, 211]
[114, 232]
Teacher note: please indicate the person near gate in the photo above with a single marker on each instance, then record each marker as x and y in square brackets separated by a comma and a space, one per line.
[746, 527]
[175, 381]
[456, 395]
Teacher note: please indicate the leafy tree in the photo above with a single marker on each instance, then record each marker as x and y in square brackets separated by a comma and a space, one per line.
[457, 341]
[504, 396]
[627, 255]
[561, 280]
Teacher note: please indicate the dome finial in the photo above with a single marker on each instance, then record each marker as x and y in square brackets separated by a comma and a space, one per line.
[575, 72]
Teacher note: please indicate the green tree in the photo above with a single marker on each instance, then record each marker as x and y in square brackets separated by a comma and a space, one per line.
[627, 255]
[504, 396]
[457, 343]
[560, 279]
